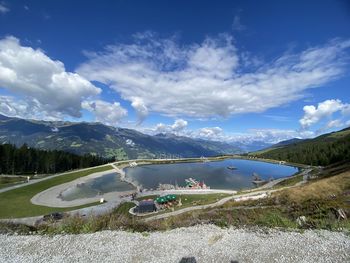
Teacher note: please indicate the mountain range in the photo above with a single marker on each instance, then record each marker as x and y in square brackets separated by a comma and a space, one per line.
[106, 141]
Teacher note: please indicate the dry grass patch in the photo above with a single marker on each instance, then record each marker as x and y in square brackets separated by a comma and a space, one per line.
[322, 189]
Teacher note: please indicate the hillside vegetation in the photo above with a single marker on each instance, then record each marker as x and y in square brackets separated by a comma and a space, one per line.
[323, 150]
[25, 160]
[98, 139]
[16, 203]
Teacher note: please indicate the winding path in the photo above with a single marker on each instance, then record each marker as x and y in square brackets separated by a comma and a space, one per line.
[240, 197]
[34, 181]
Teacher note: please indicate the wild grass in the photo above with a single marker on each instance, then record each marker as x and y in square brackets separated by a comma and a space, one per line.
[6, 181]
[317, 201]
[16, 203]
[290, 181]
[189, 200]
[119, 219]
[318, 190]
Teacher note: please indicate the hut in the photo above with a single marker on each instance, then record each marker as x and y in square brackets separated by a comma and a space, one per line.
[146, 206]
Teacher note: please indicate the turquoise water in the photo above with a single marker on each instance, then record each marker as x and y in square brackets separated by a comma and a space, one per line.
[96, 186]
[214, 174]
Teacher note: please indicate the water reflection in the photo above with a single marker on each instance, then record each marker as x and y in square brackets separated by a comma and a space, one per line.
[214, 174]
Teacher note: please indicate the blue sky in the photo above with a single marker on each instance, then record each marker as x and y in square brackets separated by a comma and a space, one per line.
[228, 70]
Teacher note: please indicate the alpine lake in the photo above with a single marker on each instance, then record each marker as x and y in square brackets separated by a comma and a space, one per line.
[229, 174]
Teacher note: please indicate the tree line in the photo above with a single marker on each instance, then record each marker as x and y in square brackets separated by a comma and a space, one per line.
[26, 160]
[314, 152]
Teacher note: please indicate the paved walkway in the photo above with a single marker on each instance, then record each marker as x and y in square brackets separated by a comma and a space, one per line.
[115, 201]
[246, 196]
[52, 196]
[34, 181]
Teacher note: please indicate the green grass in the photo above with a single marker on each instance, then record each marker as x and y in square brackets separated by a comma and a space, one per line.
[200, 199]
[9, 181]
[290, 181]
[339, 134]
[260, 151]
[192, 199]
[188, 200]
[16, 203]
[274, 218]
[124, 208]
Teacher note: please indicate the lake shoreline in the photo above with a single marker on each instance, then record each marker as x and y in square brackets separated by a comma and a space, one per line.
[50, 197]
[142, 163]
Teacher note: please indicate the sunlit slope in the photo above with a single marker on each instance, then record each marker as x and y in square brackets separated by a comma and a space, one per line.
[322, 150]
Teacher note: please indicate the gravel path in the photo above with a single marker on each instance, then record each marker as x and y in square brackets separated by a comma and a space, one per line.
[203, 243]
[34, 181]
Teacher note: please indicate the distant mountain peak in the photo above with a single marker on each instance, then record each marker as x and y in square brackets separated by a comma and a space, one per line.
[107, 141]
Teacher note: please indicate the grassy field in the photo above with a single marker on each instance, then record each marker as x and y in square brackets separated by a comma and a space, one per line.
[16, 203]
[290, 181]
[6, 181]
[317, 201]
[188, 200]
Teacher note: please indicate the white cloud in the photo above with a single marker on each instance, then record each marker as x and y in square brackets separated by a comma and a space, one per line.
[177, 128]
[3, 8]
[237, 24]
[105, 112]
[334, 124]
[206, 80]
[325, 109]
[140, 108]
[269, 136]
[37, 78]
[179, 125]
[209, 133]
[346, 110]
[29, 108]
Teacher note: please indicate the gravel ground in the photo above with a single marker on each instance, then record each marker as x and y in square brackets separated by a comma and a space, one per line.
[203, 243]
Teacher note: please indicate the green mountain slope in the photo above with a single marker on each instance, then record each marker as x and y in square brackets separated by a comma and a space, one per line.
[106, 141]
[323, 150]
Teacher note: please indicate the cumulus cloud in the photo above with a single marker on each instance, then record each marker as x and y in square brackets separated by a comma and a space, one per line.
[140, 108]
[209, 79]
[268, 136]
[178, 127]
[29, 108]
[3, 8]
[334, 124]
[209, 133]
[324, 110]
[105, 112]
[38, 79]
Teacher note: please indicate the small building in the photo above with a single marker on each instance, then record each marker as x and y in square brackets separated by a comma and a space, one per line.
[145, 206]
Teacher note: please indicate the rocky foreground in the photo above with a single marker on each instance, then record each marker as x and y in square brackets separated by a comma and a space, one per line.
[203, 243]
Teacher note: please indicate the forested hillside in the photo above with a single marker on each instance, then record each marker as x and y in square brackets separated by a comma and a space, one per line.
[98, 139]
[323, 150]
[25, 160]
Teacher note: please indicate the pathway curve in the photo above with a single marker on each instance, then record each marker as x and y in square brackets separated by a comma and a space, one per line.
[34, 181]
[240, 197]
